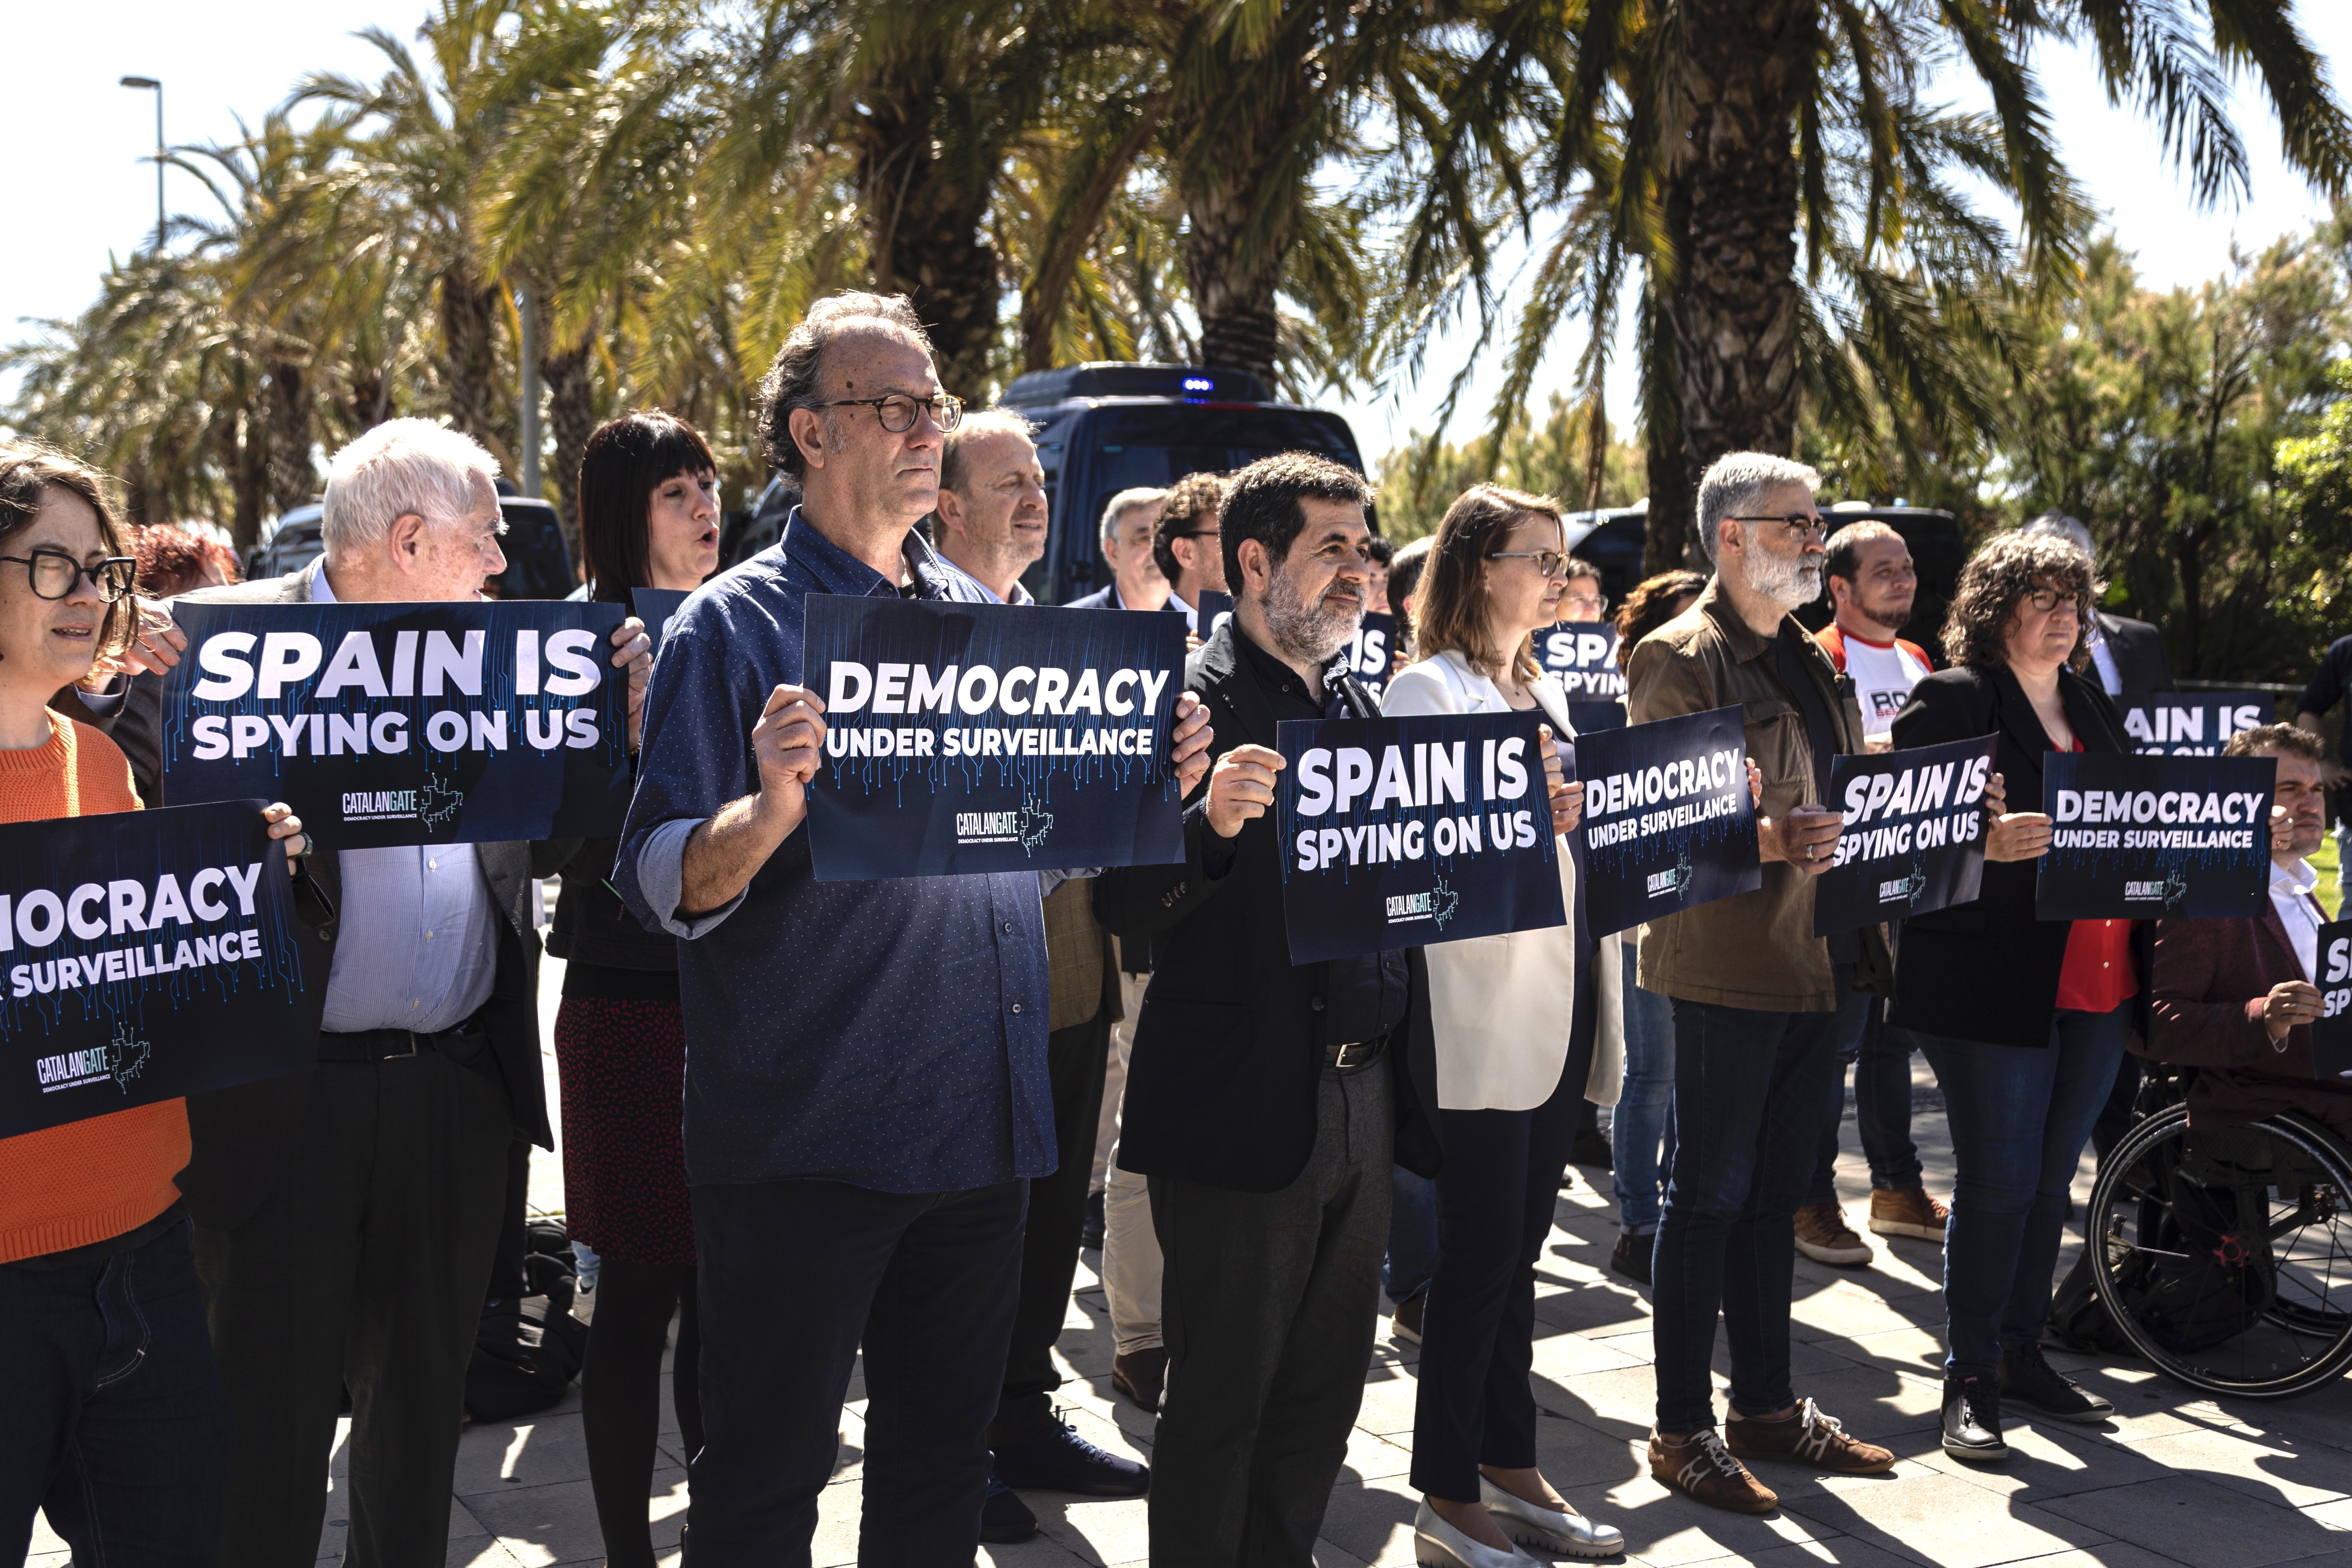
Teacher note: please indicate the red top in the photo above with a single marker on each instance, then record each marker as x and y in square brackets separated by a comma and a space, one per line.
[2099, 975]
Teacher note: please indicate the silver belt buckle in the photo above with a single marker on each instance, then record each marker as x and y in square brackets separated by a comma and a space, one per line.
[1347, 1059]
[396, 1056]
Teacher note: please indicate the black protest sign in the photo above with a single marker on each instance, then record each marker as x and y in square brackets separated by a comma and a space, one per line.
[972, 737]
[1370, 656]
[2192, 724]
[1400, 832]
[2331, 1034]
[406, 723]
[1582, 655]
[1914, 834]
[1213, 608]
[1668, 822]
[145, 956]
[2142, 837]
[655, 607]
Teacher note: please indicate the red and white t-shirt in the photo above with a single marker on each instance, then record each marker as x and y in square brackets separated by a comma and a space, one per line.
[1883, 674]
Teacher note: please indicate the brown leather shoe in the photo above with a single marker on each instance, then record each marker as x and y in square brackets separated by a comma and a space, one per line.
[1823, 1235]
[1806, 1437]
[1141, 1375]
[1908, 1214]
[1702, 1469]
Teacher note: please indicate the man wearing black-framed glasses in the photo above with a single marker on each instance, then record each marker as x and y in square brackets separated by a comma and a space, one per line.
[1187, 542]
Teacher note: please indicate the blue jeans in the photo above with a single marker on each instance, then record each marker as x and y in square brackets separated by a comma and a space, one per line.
[1751, 1092]
[1643, 1115]
[1412, 1262]
[1881, 1054]
[2020, 1118]
[112, 1415]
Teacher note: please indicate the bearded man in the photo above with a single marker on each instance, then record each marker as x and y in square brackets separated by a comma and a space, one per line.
[1264, 1101]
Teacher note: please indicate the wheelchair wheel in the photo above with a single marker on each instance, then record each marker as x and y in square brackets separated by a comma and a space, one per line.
[2226, 1253]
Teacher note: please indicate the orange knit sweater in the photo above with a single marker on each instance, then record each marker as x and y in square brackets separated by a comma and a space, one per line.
[71, 1185]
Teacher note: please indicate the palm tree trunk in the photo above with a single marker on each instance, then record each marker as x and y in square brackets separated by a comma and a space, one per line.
[572, 419]
[470, 351]
[292, 478]
[1070, 230]
[1745, 67]
[1666, 535]
[244, 458]
[928, 243]
[1239, 223]
[1233, 284]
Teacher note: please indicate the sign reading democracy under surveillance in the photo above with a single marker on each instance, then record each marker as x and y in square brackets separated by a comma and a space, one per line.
[1914, 838]
[2331, 1035]
[1401, 832]
[145, 956]
[2144, 837]
[405, 723]
[1582, 657]
[970, 738]
[2192, 724]
[1668, 822]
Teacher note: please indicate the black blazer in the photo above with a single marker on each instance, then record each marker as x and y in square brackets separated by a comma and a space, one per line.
[1228, 1052]
[240, 1135]
[1989, 971]
[2140, 664]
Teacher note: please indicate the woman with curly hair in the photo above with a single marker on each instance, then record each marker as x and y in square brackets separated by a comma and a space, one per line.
[2023, 1019]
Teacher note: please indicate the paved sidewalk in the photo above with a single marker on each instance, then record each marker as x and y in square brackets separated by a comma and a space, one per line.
[2173, 1478]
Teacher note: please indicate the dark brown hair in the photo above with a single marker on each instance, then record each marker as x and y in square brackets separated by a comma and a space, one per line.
[29, 470]
[1189, 498]
[794, 379]
[1651, 605]
[2290, 738]
[1449, 613]
[626, 461]
[1262, 503]
[1996, 579]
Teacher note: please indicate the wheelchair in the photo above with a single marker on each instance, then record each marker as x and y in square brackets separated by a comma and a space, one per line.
[2224, 1254]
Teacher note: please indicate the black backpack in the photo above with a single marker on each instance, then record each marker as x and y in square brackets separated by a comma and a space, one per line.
[528, 1348]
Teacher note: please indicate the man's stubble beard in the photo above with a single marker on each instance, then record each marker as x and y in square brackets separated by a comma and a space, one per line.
[1309, 633]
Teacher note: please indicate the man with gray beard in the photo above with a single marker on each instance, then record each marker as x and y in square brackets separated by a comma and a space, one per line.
[1264, 1101]
[1761, 1005]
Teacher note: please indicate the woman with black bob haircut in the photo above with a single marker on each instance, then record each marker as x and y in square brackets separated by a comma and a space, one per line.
[649, 518]
[2023, 1019]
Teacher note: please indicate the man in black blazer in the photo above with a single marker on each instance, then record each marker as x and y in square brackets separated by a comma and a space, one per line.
[1127, 521]
[347, 1217]
[1264, 1099]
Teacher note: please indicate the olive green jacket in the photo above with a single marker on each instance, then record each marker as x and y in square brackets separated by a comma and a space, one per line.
[1754, 949]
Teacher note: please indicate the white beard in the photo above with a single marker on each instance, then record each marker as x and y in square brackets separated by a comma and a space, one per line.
[1788, 584]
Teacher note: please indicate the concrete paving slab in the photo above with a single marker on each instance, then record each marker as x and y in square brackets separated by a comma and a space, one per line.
[2194, 1521]
[1941, 1520]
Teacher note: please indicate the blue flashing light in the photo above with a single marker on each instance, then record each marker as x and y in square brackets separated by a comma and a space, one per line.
[1199, 383]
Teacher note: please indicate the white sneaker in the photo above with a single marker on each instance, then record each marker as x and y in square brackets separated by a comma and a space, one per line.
[1437, 1545]
[1562, 1534]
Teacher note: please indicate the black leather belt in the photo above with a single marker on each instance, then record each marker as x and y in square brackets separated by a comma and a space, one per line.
[386, 1045]
[1354, 1054]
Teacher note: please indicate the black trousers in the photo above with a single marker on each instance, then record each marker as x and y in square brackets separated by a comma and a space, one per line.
[366, 1267]
[1495, 1195]
[791, 1276]
[1076, 1059]
[1269, 1304]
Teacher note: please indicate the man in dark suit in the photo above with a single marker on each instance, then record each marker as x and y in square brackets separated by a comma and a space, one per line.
[1264, 1098]
[2128, 654]
[1127, 521]
[346, 1218]
[2235, 998]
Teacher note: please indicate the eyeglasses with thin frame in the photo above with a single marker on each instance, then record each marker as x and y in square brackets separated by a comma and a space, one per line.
[54, 572]
[1549, 562]
[1801, 525]
[897, 412]
[2048, 599]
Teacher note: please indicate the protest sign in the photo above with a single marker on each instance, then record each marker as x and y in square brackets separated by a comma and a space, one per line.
[656, 606]
[1913, 838]
[405, 723]
[1668, 824]
[1398, 832]
[1213, 610]
[2331, 1035]
[1370, 656]
[145, 956]
[2143, 837]
[969, 738]
[2192, 724]
[1582, 655]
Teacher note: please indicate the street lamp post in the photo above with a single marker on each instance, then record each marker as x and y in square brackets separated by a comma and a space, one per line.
[144, 83]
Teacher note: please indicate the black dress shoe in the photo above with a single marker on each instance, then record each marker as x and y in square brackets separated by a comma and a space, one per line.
[1004, 1519]
[1591, 1149]
[1141, 1375]
[2030, 1383]
[1630, 1256]
[1052, 1457]
[1091, 1233]
[1973, 1420]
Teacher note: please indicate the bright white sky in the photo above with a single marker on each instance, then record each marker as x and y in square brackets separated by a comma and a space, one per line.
[79, 139]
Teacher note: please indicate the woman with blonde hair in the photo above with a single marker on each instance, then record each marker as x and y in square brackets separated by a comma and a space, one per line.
[1512, 1017]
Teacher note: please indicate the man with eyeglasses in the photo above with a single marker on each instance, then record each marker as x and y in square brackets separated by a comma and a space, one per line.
[867, 1090]
[1761, 1005]
[1185, 544]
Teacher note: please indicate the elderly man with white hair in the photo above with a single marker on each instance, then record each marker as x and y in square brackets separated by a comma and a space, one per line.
[1761, 1005]
[346, 1218]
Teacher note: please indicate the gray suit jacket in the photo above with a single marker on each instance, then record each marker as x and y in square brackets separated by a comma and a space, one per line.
[241, 1134]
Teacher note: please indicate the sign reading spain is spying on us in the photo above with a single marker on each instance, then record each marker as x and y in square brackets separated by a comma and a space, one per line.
[1582, 655]
[972, 738]
[145, 956]
[387, 724]
[2145, 838]
[1913, 836]
[1400, 832]
[2192, 724]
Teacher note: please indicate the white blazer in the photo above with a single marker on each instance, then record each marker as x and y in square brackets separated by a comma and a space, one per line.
[1500, 1005]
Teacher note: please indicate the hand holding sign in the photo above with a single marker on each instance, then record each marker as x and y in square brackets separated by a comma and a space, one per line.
[1806, 838]
[788, 744]
[1188, 750]
[2291, 1002]
[1567, 799]
[1242, 787]
[633, 650]
[286, 828]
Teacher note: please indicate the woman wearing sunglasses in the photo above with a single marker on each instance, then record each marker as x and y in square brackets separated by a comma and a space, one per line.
[1512, 1019]
[2023, 1019]
[111, 1415]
